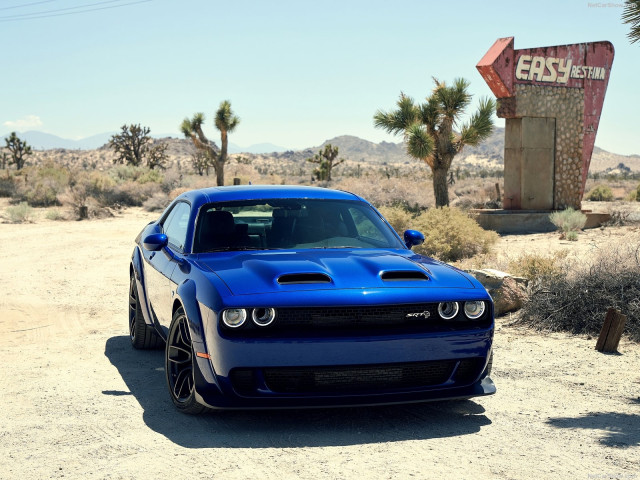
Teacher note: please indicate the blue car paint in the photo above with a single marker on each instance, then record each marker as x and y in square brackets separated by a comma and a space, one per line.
[207, 283]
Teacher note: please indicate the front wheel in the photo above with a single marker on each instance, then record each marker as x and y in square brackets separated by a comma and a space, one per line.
[179, 365]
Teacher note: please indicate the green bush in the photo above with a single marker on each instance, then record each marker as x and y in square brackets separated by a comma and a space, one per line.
[21, 213]
[398, 217]
[129, 173]
[451, 234]
[600, 193]
[54, 214]
[539, 268]
[568, 221]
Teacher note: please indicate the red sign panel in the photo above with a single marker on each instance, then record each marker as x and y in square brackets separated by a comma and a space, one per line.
[581, 65]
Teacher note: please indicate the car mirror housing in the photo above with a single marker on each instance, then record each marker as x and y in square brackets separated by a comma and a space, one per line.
[155, 242]
[413, 238]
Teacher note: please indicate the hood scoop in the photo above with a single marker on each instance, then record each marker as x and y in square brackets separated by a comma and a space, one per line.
[403, 276]
[303, 278]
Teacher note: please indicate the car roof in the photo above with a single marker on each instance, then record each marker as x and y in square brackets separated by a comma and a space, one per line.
[253, 192]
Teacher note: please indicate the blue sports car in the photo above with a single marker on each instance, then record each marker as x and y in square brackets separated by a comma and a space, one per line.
[286, 297]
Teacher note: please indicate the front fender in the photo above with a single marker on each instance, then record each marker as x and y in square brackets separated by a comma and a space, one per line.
[204, 374]
[186, 295]
[141, 285]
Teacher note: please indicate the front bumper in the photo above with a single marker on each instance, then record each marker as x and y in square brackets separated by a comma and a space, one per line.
[218, 385]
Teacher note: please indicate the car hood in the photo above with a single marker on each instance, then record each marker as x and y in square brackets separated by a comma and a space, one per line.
[247, 273]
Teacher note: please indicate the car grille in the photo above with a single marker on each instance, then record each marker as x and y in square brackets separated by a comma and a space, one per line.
[355, 320]
[356, 379]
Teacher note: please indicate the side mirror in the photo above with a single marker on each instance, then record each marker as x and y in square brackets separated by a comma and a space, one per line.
[413, 238]
[155, 242]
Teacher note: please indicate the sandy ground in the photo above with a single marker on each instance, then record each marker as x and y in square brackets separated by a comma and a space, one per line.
[79, 402]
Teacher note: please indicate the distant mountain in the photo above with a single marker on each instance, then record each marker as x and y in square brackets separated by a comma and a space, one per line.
[256, 148]
[47, 141]
[488, 155]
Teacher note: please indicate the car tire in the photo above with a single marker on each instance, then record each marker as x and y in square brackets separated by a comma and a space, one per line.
[141, 335]
[179, 366]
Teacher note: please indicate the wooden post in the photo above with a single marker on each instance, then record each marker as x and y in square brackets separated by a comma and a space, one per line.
[498, 192]
[611, 332]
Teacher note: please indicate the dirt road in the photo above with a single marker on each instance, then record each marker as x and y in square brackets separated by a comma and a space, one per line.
[78, 402]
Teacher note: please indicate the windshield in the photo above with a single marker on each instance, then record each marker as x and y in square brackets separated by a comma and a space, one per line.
[291, 224]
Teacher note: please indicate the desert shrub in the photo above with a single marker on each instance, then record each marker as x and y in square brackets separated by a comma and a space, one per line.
[132, 194]
[54, 214]
[40, 186]
[176, 192]
[129, 173]
[77, 198]
[568, 221]
[539, 268]
[577, 300]
[157, 203]
[7, 186]
[600, 193]
[398, 217]
[451, 234]
[21, 213]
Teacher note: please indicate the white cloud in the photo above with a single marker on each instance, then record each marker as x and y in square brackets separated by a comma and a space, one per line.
[29, 121]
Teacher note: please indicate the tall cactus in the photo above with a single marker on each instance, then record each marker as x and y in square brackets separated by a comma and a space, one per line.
[326, 161]
[225, 121]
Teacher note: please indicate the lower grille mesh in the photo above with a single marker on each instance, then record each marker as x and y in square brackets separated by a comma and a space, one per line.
[353, 379]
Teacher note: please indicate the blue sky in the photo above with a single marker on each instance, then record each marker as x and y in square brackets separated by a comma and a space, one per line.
[296, 72]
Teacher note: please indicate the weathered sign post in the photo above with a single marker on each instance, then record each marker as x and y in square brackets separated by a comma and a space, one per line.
[551, 98]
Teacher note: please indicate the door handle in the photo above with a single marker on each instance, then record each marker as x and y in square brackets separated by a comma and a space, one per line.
[153, 254]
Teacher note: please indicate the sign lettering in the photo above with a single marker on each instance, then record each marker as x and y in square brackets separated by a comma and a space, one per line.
[555, 70]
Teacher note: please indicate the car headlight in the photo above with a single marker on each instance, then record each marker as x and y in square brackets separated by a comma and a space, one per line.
[474, 310]
[234, 317]
[448, 310]
[263, 316]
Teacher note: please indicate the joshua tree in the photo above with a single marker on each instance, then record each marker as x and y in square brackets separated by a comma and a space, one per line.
[225, 121]
[631, 16]
[428, 128]
[325, 160]
[18, 150]
[133, 145]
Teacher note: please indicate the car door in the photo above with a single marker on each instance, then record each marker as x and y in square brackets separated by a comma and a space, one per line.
[160, 266]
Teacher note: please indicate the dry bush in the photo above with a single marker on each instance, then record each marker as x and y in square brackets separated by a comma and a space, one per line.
[450, 234]
[176, 192]
[382, 191]
[7, 185]
[577, 300]
[21, 213]
[40, 186]
[132, 194]
[157, 203]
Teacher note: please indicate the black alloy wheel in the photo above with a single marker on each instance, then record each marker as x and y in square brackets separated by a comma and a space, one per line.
[179, 365]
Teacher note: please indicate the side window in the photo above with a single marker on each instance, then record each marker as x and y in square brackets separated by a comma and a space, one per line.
[176, 225]
[364, 226]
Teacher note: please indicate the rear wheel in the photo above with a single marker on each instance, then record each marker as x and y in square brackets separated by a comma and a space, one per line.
[179, 366]
[141, 335]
